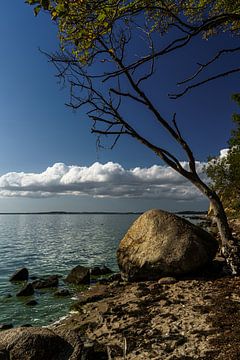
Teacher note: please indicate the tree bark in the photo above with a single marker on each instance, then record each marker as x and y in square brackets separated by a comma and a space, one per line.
[230, 248]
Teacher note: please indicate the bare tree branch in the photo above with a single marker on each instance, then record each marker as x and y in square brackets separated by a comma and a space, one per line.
[203, 66]
[218, 76]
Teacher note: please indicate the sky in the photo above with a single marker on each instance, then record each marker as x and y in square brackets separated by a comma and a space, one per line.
[49, 160]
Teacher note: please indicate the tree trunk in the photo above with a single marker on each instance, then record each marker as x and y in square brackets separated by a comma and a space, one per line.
[230, 248]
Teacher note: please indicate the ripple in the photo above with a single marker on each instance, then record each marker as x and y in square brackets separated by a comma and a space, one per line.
[50, 244]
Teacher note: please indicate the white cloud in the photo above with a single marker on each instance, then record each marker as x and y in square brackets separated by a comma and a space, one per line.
[101, 180]
[223, 153]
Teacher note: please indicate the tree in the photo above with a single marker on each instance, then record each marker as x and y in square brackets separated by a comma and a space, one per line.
[104, 32]
[224, 172]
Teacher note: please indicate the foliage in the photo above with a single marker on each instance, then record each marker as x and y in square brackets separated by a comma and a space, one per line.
[224, 172]
[82, 23]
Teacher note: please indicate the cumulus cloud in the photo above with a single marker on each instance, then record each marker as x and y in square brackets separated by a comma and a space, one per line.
[100, 180]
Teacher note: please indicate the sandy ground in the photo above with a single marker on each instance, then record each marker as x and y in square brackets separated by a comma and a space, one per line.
[196, 318]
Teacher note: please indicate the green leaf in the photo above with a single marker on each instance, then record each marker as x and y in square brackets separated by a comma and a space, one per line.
[54, 15]
[101, 17]
[45, 4]
[37, 9]
[32, 2]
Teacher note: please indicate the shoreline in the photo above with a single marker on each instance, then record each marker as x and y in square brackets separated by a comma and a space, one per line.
[195, 317]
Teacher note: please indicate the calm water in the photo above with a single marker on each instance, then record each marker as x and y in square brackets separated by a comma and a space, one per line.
[52, 244]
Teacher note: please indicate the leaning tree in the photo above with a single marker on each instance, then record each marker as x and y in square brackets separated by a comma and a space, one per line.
[103, 73]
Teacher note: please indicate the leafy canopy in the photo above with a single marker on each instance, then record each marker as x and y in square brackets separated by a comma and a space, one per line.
[82, 23]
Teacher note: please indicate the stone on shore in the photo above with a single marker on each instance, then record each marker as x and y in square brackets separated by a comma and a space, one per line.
[20, 275]
[162, 244]
[27, 290]
[99, 271]
[79, 275]
[34, 344]
[5, 326]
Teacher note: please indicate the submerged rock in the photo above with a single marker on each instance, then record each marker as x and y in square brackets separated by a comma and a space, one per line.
[79, 275]
[162, 244]
[27, 290]
[62, 293]
[20, 275]
[32, 303]
[48, 282]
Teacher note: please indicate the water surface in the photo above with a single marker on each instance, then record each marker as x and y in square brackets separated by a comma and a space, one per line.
[53, 244]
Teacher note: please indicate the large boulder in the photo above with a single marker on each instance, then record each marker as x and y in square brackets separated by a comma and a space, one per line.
[34, 344]
[163, 244]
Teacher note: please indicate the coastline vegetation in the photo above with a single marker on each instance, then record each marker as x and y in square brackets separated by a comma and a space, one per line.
[224, 172]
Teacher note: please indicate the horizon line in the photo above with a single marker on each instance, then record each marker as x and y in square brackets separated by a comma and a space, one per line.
[95, 212]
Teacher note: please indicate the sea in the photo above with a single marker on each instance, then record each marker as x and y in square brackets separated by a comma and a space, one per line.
[52, 244]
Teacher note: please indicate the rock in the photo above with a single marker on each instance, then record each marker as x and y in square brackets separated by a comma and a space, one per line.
[99, 271]
[79, 275]
[115, 277]
[26, 325]
[8, 296]
[35, 344]
[62, 292]
[27, 290]
[20, 275]
[48, 282]
[167, 280]
[33, 277]
[94, 351]
[32, 303]
[162, 244]
[5, 326]
[4, 354]
[94, 294]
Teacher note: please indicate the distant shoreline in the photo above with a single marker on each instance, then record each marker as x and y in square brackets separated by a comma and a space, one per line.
[187, 212]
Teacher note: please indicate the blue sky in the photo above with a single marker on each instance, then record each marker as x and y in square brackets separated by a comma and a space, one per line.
[38, 130]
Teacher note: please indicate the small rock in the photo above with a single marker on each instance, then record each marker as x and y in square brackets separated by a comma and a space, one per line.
[20, 275]
[115, 277]
[167, 280]
[79, 275]
[32, 303]
[93, 351]
[33, 277]
[5, 326]
[99, 271]
[62, 292]
[50, 281]
[26, 325]
[8, 296]
[27, 290]
[4, 354]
